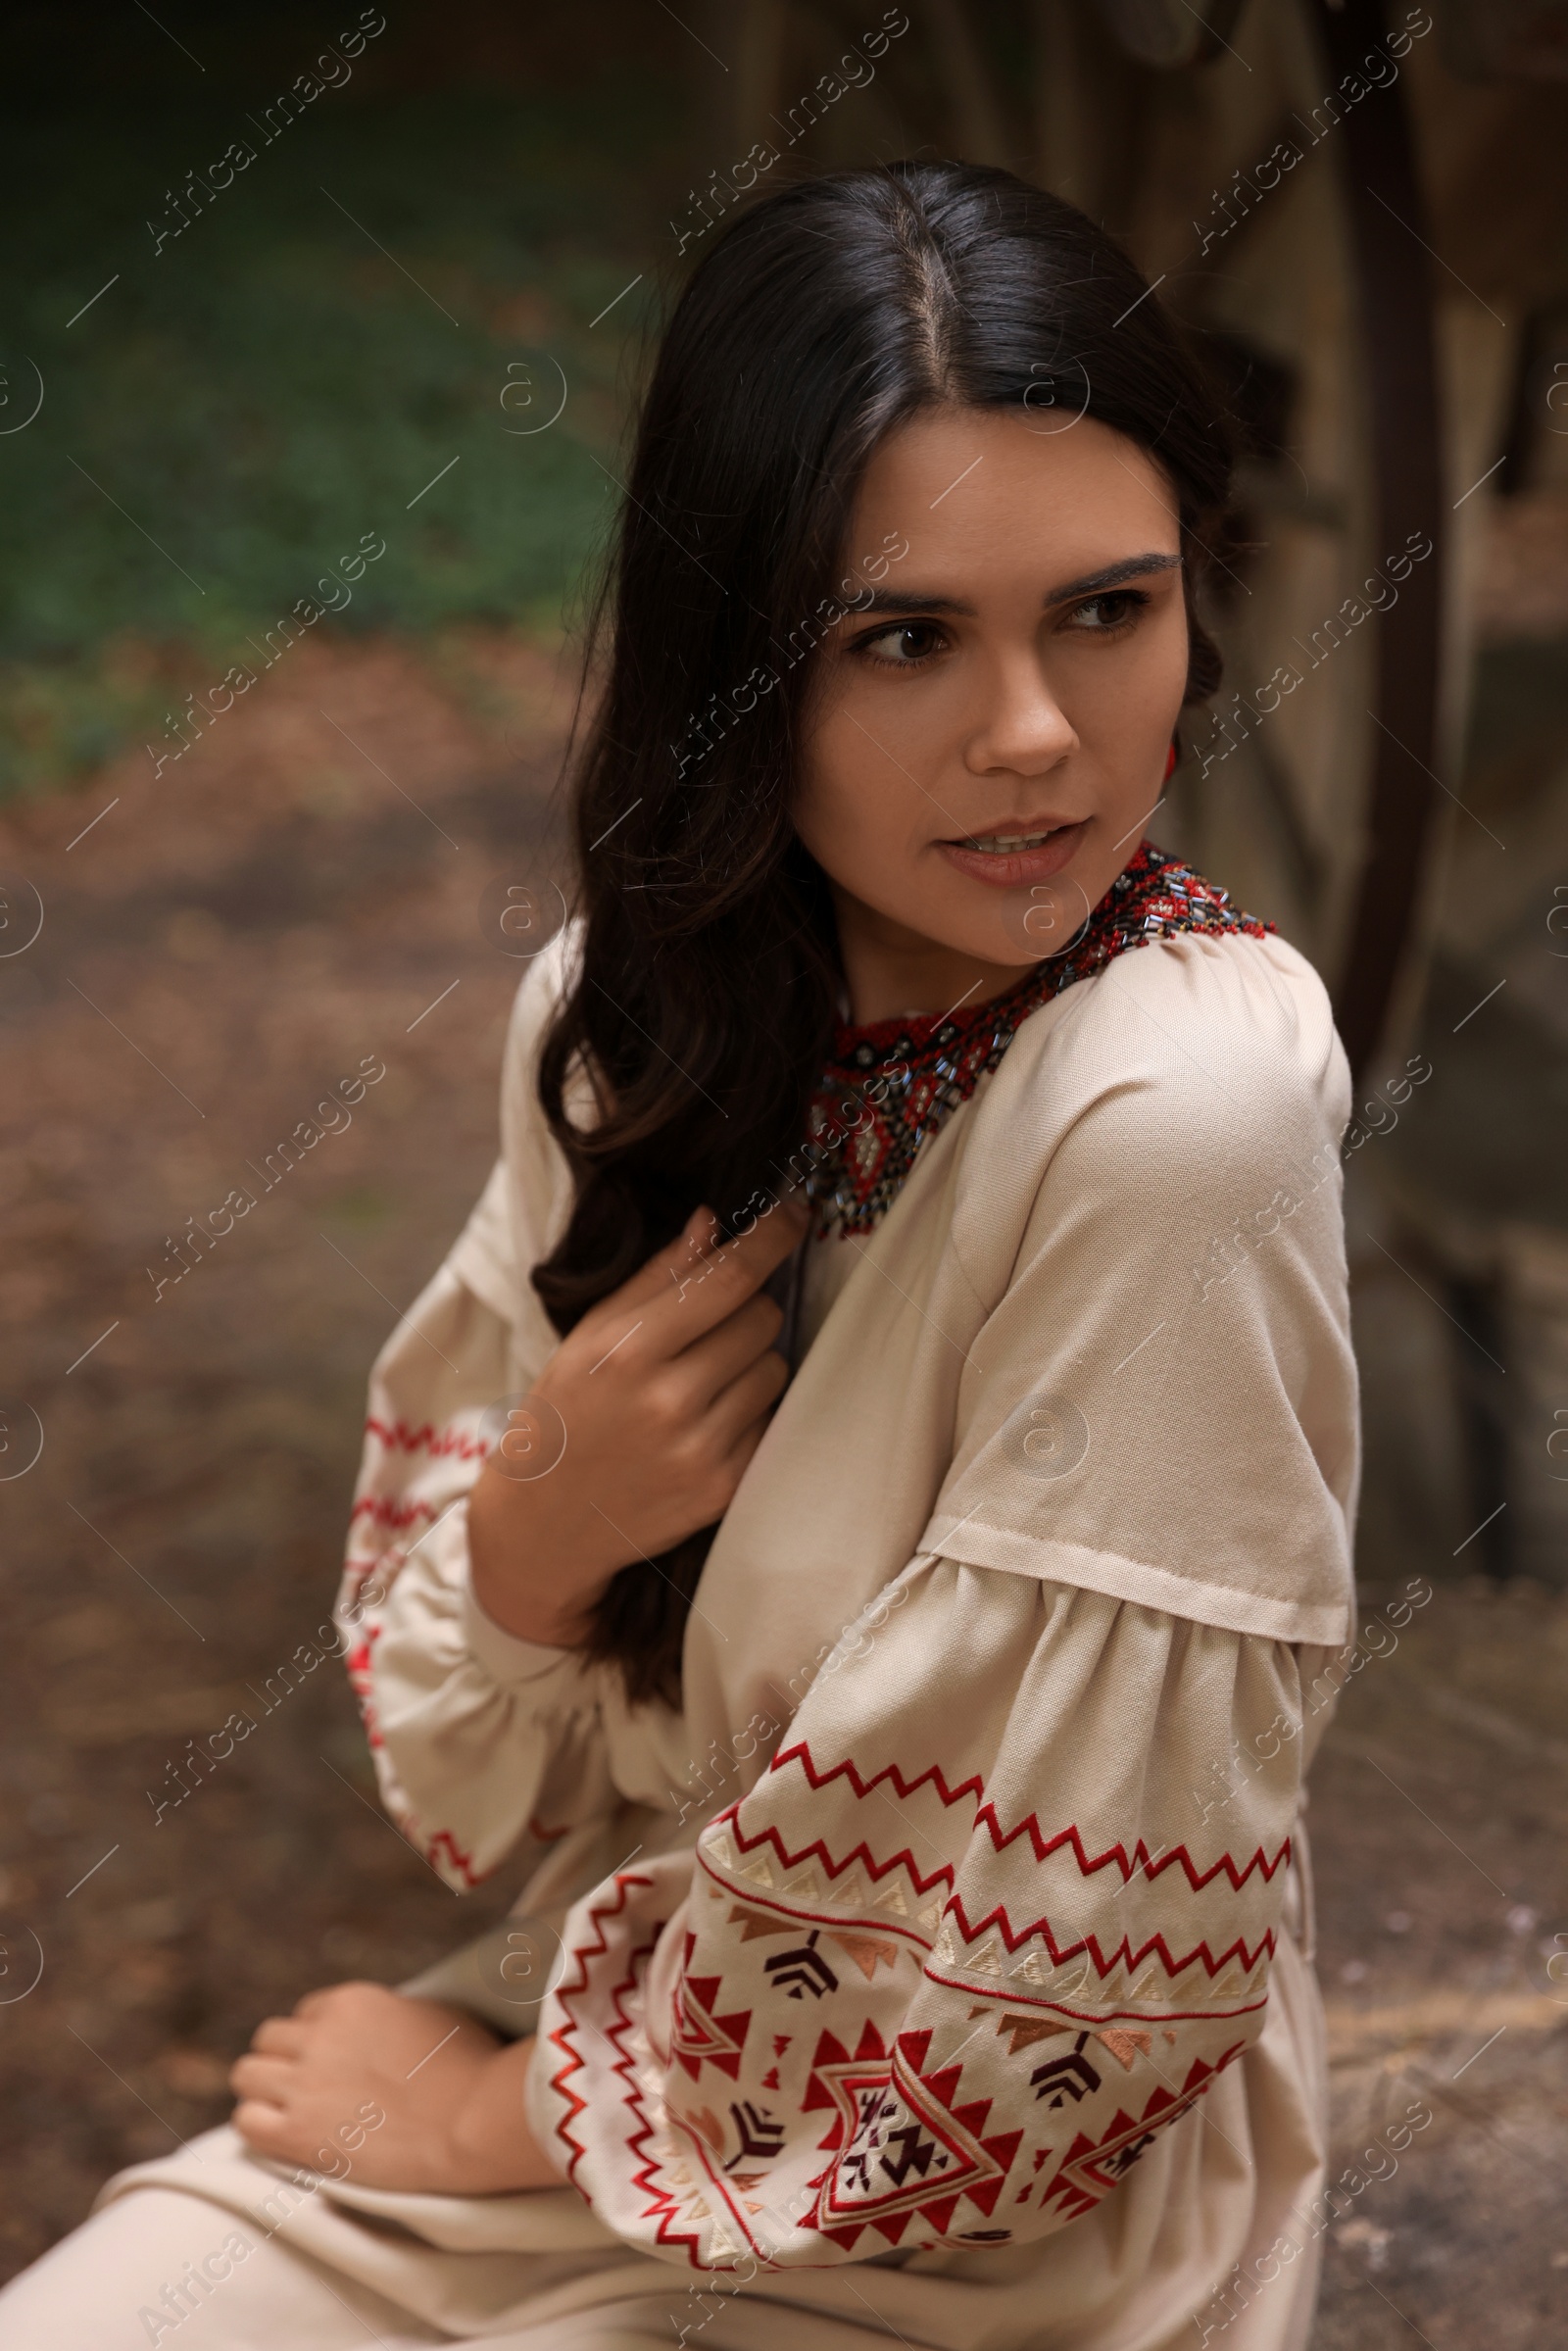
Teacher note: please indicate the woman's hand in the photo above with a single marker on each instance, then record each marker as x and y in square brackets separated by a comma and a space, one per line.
[366, 2084]
[662, 1392]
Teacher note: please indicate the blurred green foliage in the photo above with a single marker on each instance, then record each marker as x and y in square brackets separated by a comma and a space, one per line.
[272, 384]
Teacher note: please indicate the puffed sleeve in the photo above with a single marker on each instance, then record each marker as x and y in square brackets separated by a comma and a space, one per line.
[978, 1936]
[480, 1740]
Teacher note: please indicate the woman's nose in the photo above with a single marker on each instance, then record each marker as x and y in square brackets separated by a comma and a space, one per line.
[1021, 727]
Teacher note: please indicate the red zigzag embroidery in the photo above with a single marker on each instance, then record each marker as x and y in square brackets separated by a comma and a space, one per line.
[1141, 1857]
[386, 1510]
[398, 1437]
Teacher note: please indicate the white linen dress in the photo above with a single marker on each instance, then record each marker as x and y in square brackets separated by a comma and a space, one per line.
[942, 1972]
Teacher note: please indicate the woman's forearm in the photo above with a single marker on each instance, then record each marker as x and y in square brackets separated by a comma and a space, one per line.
[506, 1535]
[493, 2146]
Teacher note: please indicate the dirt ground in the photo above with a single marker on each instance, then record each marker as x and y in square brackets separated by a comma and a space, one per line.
[300, 895]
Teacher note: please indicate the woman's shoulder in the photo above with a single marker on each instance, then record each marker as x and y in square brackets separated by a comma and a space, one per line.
[541, 1183]
[1248, 1005]
[1183, 1055]
[548, 974]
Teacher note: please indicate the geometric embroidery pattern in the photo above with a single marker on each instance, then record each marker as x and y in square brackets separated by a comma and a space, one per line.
[700, 2036]
[866, 2046]
[1090, 2168]
[1077, 1975]
[903, 2146]
[878, 2125]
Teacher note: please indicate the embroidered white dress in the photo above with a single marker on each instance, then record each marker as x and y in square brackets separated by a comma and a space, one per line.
[944, 1967]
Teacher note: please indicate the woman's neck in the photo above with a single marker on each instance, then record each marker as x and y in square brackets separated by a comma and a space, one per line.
[890, 971]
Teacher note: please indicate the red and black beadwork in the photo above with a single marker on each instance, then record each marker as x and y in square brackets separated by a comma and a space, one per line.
[918, 1069]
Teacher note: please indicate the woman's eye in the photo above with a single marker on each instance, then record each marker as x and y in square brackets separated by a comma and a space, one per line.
[1101, 613]
[902, 646]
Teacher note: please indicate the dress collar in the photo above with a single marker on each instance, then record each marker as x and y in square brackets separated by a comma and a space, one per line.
[889, 1084]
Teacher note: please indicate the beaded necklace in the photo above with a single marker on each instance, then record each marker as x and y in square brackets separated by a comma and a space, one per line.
[890, 1084]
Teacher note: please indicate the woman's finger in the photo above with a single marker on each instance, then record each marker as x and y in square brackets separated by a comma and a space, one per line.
[263, 2125]
[279, 2037]
[694, 1242]
[701, 1273]
[738, 1459]
[746, 1402]
[267, 2077]
[695, 1300]
[329, 1997]
[731, 1348]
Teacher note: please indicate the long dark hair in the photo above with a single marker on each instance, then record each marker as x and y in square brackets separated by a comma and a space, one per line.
[704, 993]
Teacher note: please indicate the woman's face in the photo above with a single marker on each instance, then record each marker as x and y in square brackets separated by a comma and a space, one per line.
[988, 738]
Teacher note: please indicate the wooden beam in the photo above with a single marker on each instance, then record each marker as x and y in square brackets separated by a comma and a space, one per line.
[1390, 240]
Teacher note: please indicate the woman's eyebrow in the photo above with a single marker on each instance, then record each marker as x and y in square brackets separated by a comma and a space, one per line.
[900, 604]
[1094, 582]
[887, 600]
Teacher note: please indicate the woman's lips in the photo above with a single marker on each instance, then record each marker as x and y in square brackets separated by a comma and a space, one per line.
[1005, 869]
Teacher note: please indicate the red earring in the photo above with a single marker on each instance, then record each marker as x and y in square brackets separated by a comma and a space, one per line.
[1171, 758]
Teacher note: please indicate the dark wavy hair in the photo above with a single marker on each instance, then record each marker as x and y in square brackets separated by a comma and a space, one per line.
[817, 322]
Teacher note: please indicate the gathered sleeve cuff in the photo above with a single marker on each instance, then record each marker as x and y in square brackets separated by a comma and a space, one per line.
[510, 1661]
[999, 1912]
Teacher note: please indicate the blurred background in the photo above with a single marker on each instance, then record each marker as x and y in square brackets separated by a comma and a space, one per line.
[318, 341]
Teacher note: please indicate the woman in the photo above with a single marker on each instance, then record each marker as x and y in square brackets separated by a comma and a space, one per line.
[910, 1303]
